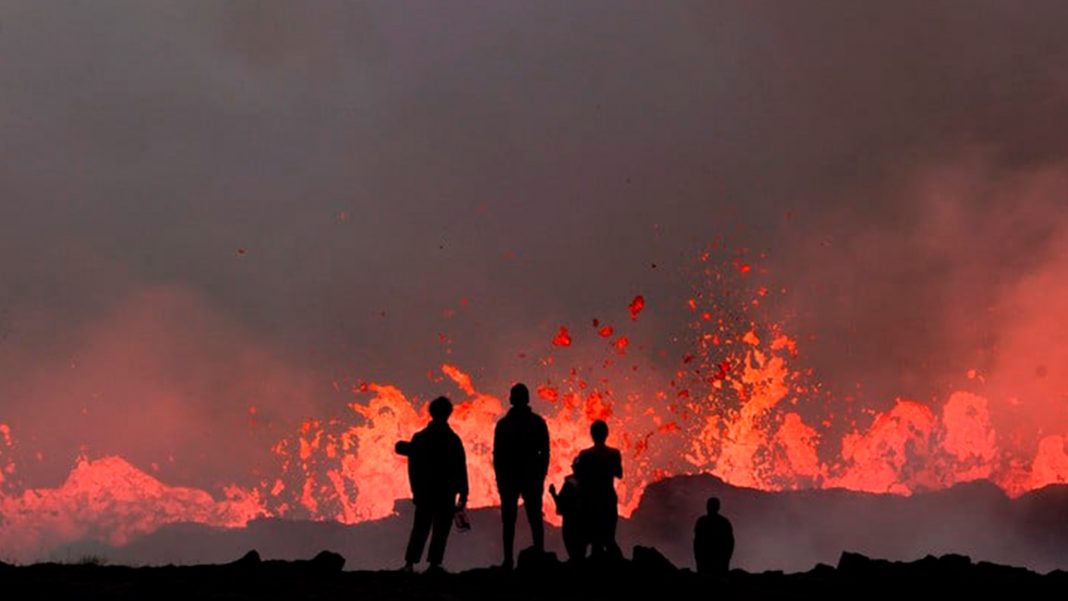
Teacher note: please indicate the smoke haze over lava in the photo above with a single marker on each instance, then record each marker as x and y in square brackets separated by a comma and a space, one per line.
[222, 225]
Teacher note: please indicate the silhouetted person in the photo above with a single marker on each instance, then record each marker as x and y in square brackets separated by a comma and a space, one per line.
[520, 463]
[437, 470]
[596, 469]
[713, 541]
[569, 508]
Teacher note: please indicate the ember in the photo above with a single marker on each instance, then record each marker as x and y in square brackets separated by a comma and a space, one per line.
[739, 405]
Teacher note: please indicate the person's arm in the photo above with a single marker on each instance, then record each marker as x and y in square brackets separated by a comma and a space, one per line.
[463, 473]
[498, 452]
[578, 467]
[617, 469]
[543, 449]
[416, 469]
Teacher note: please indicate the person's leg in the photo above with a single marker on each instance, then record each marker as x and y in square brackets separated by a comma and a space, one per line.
[509, 512]
[611, 546]
[420, 530]
[442, 525]
[594, 537]
[603, 528]
[532, 498]
[576, 549]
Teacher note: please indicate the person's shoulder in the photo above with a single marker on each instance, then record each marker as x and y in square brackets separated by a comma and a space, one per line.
[509, 419]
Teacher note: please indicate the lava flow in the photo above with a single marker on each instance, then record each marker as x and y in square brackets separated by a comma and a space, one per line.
[735, 405]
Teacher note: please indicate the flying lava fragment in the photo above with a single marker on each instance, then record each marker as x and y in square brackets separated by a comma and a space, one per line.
[562, 338]
[636, 307]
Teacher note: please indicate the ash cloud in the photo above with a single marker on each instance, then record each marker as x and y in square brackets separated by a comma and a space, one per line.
[376, 163]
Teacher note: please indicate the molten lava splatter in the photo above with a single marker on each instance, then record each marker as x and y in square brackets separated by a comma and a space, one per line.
[562, 338]
[635, 307]
[736, 405]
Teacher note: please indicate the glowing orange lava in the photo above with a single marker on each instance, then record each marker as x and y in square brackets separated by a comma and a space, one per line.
[737, 405]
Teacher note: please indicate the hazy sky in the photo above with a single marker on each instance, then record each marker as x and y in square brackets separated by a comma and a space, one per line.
[209, 205]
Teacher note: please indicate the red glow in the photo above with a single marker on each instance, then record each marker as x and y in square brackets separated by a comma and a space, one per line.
[562, 338]
[548, 393]
[737, 405]
[636, 307]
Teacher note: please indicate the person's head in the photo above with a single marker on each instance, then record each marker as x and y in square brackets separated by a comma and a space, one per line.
[712, 505]
[520, 396]
[440, 409]
[599, 431]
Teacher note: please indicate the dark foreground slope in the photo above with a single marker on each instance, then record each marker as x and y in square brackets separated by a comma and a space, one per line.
[648, 576]
[790, 531]
[794, 530]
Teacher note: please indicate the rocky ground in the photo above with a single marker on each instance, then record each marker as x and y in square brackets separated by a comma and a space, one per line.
[648, 576]
[790, 531]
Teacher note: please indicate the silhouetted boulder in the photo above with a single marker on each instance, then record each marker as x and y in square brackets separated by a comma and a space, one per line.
[855, 565]
[248, 560]
[853, 562]
[607, 564]
[822, 571]
[532, 560]
[993, 572]
[328, 561]
[648, 559]
[944, 567]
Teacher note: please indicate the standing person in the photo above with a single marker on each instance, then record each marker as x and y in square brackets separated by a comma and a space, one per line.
[597, 469]
[713, 541]
[437, 471]
[520, 463]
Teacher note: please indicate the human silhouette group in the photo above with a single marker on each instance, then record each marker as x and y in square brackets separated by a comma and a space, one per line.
[586, 500]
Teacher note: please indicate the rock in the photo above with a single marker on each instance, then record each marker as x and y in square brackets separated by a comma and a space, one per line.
[606, 563]
[648, 559]
[854, 566]
[955, 563]
[821, 570]
[248, 560]
[999, 573]
[328, 561]
[853, 562]
[532, 560]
